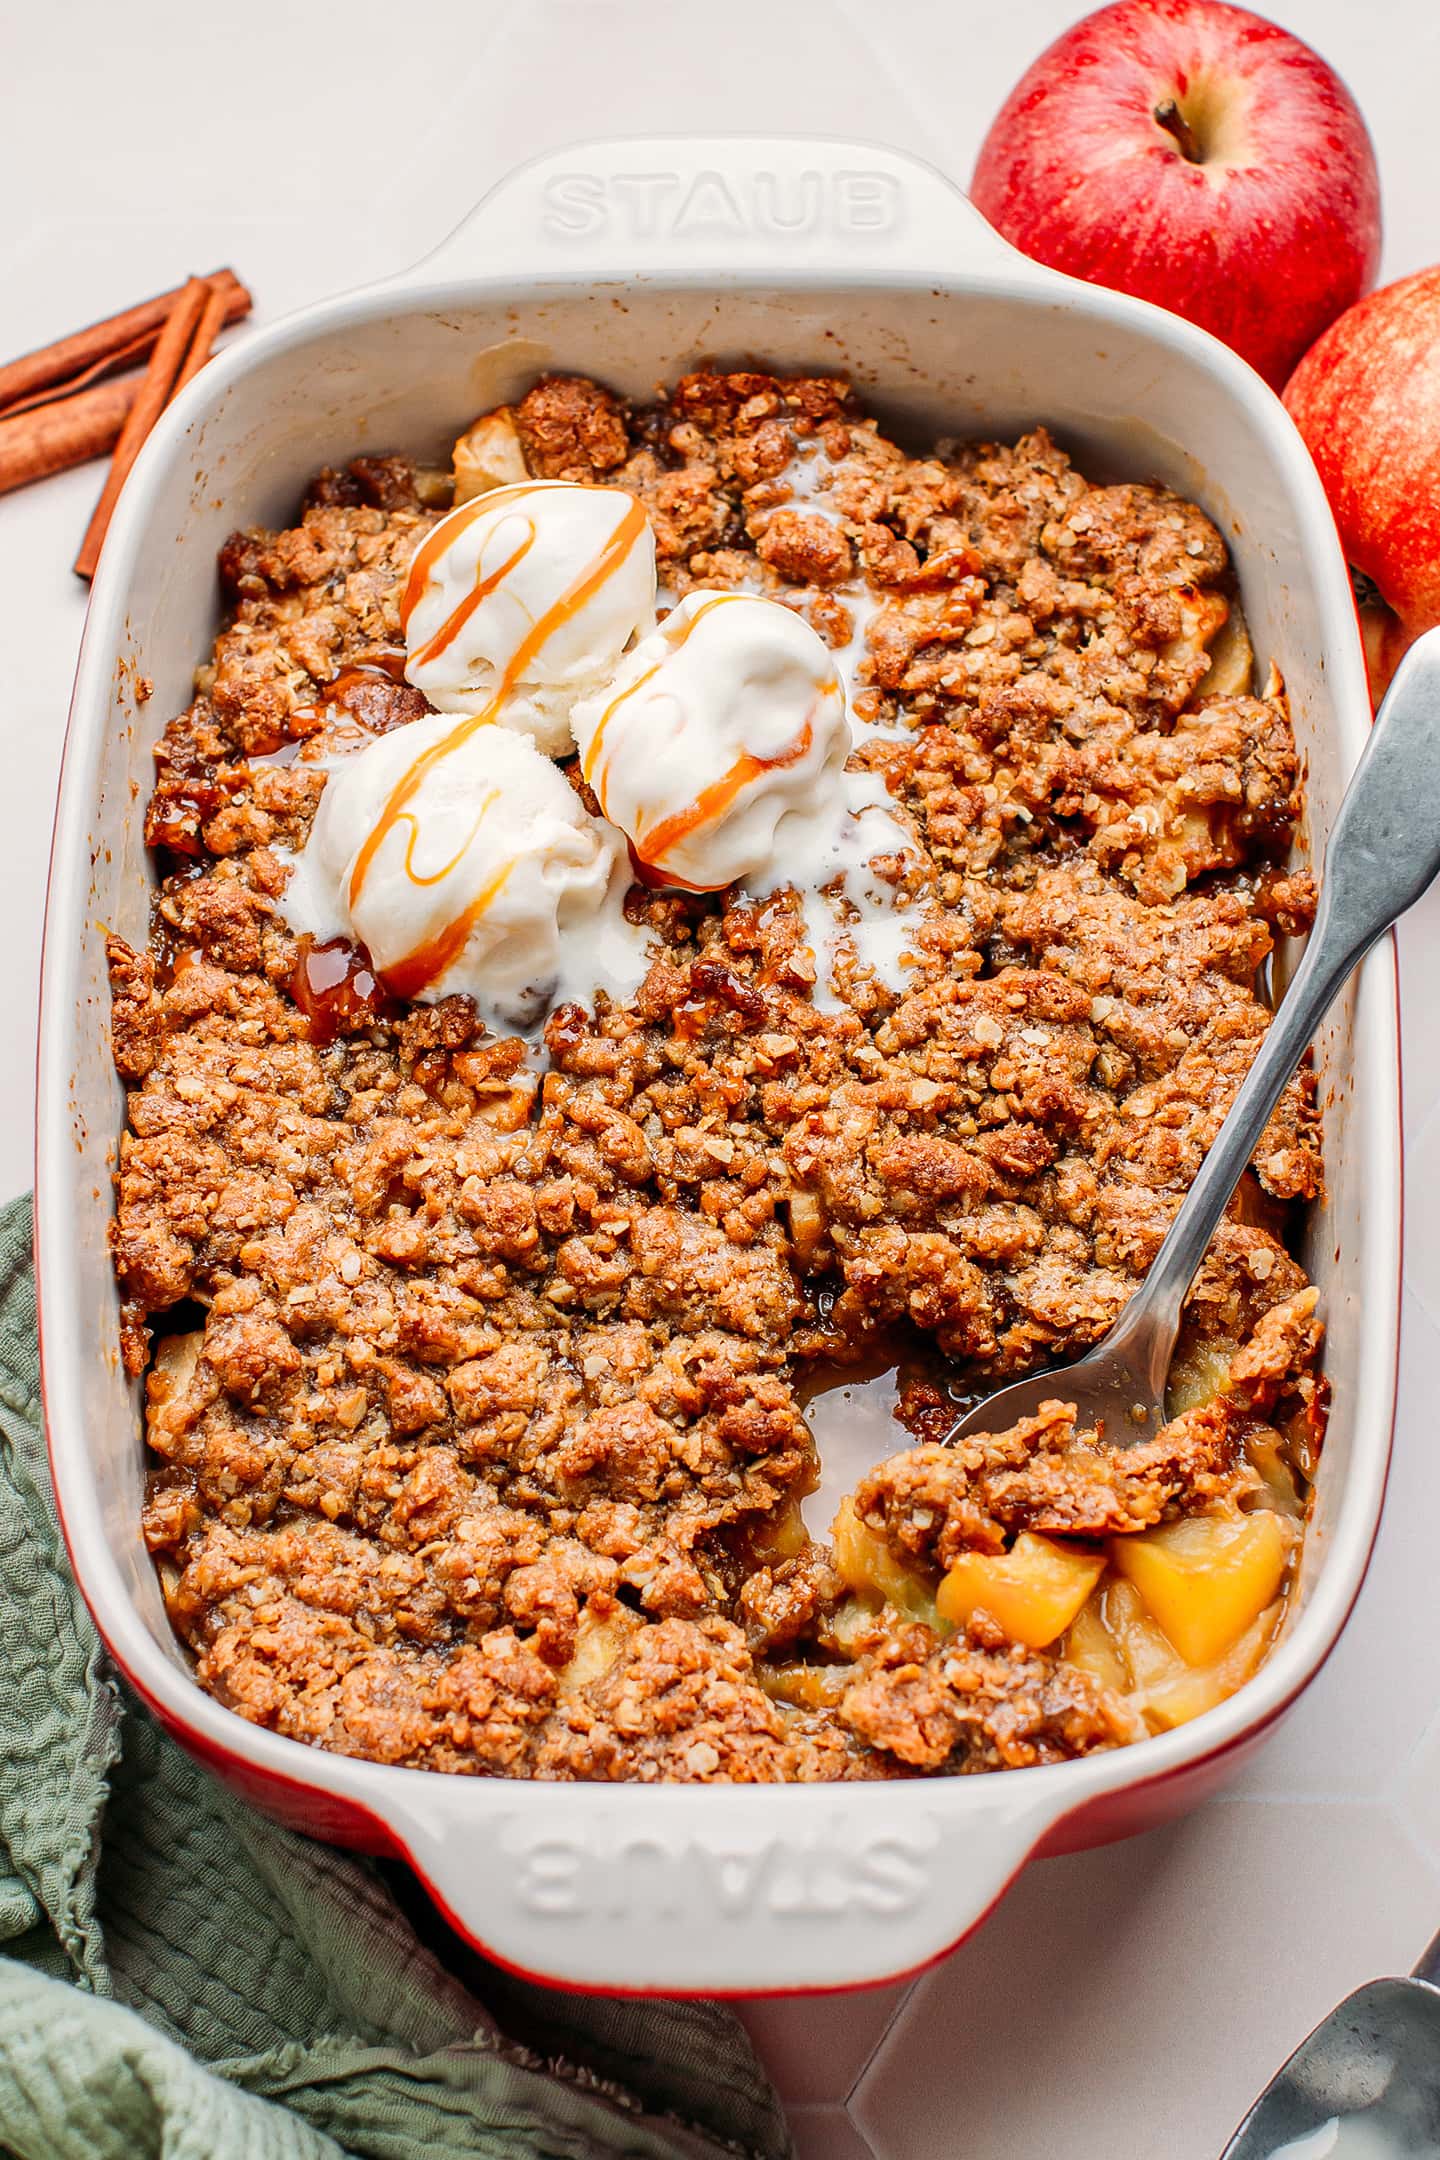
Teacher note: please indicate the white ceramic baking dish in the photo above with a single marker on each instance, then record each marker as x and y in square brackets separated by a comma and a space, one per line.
[632, 261]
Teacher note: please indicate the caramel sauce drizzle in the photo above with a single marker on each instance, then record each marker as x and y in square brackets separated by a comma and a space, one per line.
[649, 849]
[445, 533]
[456, 620]
[712, 802]
[590, 762]
[386, 661]
[591, 758]
[433, 877]
[407, 977]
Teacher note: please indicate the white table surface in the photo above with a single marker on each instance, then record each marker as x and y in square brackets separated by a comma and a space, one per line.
[1122, 2004]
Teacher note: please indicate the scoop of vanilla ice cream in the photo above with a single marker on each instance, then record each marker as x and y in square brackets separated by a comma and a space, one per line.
[720, 732]
[526, 598]
[464, 861]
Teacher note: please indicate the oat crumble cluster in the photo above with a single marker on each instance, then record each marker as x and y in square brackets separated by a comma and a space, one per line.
[476, 1403]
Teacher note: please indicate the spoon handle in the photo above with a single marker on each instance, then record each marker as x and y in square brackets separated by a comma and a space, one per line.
[1383, 852]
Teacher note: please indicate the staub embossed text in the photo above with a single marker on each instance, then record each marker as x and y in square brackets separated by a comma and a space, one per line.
[814, 1877]
[691, 206]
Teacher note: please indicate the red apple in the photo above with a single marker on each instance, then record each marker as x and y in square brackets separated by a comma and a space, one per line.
[1200, 157]
[1367, 401]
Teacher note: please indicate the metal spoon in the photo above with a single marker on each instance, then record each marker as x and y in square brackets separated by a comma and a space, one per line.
[1383, 852]
[1364, 2086]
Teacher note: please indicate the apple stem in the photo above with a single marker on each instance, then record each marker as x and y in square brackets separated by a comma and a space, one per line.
[1169, 116]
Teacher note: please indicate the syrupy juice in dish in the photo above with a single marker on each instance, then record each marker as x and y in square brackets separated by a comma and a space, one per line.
[590, 1266]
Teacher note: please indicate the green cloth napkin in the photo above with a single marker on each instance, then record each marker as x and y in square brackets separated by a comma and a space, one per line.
[182, 1980]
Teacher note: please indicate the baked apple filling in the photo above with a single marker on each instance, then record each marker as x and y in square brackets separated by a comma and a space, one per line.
[694, 904]
[1169, 1609]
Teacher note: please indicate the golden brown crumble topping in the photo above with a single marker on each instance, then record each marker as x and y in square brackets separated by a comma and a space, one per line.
[476, 1427]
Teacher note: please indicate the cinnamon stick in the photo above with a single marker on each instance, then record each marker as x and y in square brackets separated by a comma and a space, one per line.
[87, 349]
[159, 380]
[115, 363]
[211, 323]
[64, 432]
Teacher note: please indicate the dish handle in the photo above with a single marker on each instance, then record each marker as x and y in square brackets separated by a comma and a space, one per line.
[700, 208]
[712, 1890]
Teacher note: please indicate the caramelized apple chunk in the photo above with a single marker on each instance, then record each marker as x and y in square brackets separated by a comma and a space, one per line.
[867, 1565]
[488, 455]
[598, 1643]
[1115, 1642]
[1034, 1591]
[1232, 658]
[1207, 1578]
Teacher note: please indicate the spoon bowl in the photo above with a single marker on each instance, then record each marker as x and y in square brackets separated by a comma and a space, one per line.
[1117, 1389]
[1364, 2086]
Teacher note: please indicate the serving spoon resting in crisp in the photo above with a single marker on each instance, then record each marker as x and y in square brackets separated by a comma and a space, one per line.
[1383, 853]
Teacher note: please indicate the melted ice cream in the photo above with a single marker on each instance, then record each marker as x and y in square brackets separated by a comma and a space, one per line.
[460, 856]
[805, 476]
[720, 733]
[468, 865]
[720, 750]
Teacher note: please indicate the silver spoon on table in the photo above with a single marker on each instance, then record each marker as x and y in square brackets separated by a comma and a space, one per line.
[1364, 2086]
[1383, 852]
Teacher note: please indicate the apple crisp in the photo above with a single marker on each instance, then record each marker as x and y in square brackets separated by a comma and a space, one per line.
[475, 1366]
